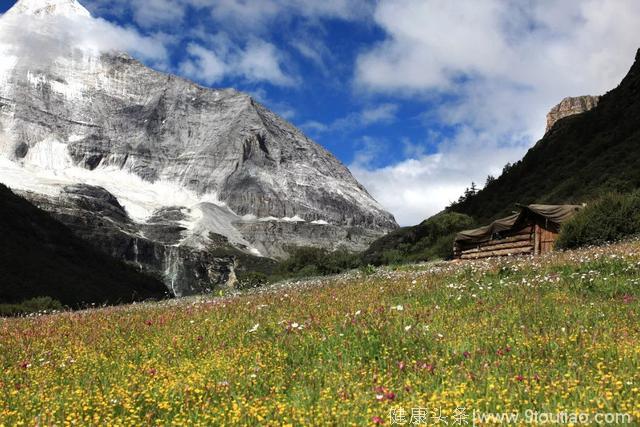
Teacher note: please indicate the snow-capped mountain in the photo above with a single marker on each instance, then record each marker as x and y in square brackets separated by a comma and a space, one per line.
[67, 8]
[86, 131]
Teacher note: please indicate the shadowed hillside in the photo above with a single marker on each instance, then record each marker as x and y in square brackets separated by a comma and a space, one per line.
[41, 257]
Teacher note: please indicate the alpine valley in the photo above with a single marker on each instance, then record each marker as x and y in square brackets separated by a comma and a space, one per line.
[155, 170]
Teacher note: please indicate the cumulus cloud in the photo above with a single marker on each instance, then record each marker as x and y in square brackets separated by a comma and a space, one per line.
[496, 68]
[257, 61]
[261, 61]
[204, 65]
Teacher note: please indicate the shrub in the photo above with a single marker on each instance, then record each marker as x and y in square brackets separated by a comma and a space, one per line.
[611, 218]
[34, 305]
[432, 239]
[252, 279]
[392, 257]
[367, 270]
[307, 261]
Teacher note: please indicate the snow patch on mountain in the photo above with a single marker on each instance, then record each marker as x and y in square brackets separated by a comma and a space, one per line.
[48, 168]
[68, 8]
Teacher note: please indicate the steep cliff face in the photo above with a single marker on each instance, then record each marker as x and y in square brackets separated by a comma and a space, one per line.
[72, 113]
[277, 237]
[153, 247]
[570, 107]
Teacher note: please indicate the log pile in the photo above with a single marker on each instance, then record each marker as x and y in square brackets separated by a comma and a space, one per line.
[516, 244]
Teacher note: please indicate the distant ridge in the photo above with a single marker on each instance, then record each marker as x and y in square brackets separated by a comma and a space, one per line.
[581, 157]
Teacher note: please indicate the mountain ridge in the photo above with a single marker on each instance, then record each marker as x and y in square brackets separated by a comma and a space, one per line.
[205, 160]
[581, 157]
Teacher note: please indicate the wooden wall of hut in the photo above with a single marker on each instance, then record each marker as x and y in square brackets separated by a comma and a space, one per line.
[515, 242]
[546, 238]
[532, 239]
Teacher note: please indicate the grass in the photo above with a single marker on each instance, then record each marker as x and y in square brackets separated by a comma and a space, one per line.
[555, 333]
[42, 305]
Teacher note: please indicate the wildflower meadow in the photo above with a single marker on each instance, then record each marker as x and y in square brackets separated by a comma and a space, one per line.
[411, 344]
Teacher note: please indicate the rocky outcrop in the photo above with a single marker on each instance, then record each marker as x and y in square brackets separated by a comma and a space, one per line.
[95, 215]
[278, 238]
[570, 107]
[165, 162]
[39, 257]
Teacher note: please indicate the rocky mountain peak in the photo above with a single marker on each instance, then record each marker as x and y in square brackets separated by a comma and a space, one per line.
[569, 107]
[151, 165]
[66, 8]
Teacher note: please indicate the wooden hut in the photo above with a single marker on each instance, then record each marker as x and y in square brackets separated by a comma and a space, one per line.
[533, 231]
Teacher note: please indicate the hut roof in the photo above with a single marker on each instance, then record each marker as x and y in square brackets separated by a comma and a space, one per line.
[555, 214]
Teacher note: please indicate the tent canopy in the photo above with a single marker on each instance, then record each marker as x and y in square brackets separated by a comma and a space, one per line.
[555, 214]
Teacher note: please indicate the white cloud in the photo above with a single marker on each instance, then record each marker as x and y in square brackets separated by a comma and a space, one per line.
[53, 36]
[204, 65]
[314, 51]
[258, 61]
[258, 14]
[148, 14]
[314, 126]
[238, 16]
[430, 42]
[502, 65]
[367, 150]
[151, 13]
[383, 113]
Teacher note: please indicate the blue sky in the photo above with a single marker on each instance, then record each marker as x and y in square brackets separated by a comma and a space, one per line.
[417, 97]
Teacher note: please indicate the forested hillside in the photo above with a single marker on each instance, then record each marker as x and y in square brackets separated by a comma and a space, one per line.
[581, 158]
